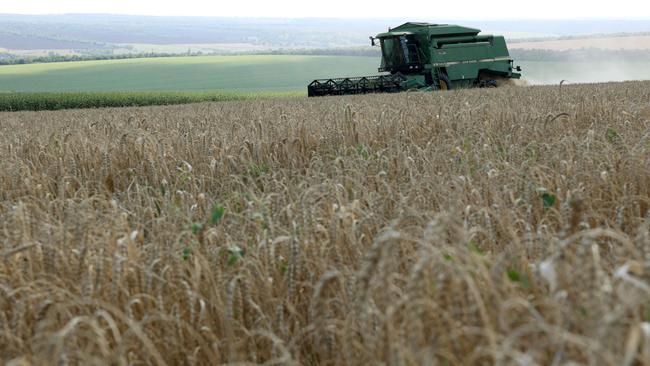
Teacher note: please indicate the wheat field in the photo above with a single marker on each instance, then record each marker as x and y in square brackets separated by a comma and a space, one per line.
[477, 227]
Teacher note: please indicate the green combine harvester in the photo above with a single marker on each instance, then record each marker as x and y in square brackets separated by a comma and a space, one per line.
[424, 56]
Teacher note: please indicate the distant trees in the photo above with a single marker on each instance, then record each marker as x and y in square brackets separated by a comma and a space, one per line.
[14, 60]
[340, 51]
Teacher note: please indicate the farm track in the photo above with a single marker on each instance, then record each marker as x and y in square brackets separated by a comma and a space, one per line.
[505, 226]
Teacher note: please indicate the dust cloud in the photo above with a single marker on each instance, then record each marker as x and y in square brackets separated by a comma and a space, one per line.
[552, 72]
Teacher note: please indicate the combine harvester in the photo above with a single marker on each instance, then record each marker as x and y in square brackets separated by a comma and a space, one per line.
[423, 56]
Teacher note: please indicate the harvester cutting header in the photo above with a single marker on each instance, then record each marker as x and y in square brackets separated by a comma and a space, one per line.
[424, 56]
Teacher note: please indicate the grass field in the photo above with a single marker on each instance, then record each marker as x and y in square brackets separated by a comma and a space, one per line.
[506, 226]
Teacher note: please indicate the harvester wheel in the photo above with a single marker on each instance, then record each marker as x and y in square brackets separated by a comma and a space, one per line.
[486, 80]
[491, 83]
[444, 82]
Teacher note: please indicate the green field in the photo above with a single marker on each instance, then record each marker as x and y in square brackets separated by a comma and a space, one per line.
[178, 80]
[255, 73]
[233, 73]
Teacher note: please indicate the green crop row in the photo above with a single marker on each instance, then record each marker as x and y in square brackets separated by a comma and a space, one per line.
[56, 101]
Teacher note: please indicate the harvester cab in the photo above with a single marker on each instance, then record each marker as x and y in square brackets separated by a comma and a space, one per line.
[423, 56]
[400, 53]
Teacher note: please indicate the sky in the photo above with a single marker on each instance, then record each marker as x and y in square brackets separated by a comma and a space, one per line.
[463, 9]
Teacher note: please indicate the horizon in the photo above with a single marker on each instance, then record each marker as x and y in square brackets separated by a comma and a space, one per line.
[498, 10]
[610, 18]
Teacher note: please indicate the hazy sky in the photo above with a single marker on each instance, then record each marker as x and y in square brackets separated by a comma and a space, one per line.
[429, 9]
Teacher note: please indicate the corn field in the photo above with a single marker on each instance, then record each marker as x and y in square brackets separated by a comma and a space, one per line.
[10, 102]
[475, 227]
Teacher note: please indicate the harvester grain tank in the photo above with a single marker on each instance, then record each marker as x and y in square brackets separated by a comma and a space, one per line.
[424, 56]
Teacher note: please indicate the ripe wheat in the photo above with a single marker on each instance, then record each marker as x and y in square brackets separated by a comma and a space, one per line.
[506, 226]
